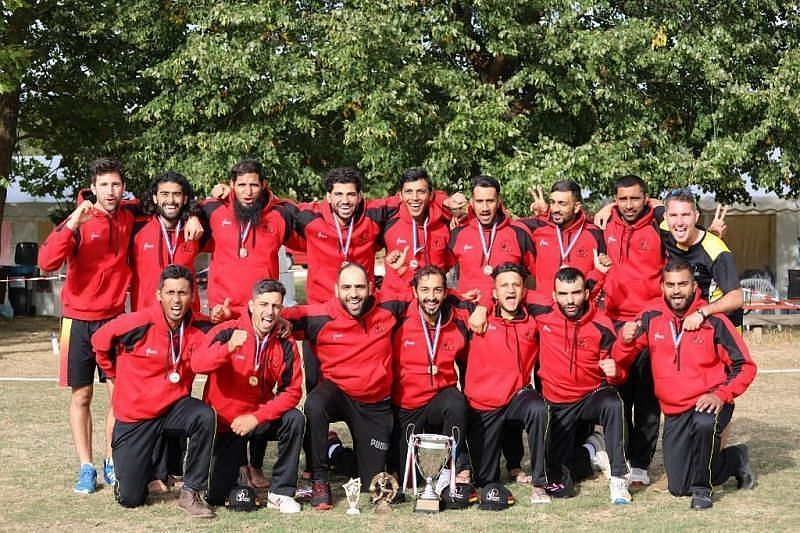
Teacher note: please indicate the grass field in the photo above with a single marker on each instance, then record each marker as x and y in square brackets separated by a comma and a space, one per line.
[37, 466]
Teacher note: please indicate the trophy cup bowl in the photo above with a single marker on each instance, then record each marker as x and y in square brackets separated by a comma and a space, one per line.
[431, 453]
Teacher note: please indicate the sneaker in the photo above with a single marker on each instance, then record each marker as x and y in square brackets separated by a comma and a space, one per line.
[321, 496]
[284, 504]
[108, 472]
[303, 494]
[700, 501]
[745, 477]
[619, 490]
[87, 480]
[443, 481]
[564, 488]
[600, 459]
[638, 477]
[193, 504]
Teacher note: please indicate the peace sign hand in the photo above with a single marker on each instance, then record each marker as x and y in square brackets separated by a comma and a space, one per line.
[539, 207]
[718, 226]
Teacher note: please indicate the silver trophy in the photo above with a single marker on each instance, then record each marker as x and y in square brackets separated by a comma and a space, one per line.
[430, 454]
[352, 491]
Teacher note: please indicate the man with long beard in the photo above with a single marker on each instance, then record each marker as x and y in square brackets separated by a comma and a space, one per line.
[697, 374]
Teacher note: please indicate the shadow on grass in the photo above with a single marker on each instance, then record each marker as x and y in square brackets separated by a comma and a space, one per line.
[770, 446]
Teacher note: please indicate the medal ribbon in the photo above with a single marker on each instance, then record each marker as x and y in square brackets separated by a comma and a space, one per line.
[572, 241]
[418, 249]
[243, 233]
[171, 246]
[175, 355]
[431, 344]
[487, 250]
[676, 338]
[259, 356]
[344, 247]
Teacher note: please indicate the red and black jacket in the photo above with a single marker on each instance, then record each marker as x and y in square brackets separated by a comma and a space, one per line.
[634, 281]
[414, 385]
[316, 227]
[547, 252]
[135, 350]
[711, 359]
[397, 235]
[570, 352]
[229, 274]
[149, 255]
[512, 244]
[228, 389]
[96, 253]
[500, 362]
[354, 353]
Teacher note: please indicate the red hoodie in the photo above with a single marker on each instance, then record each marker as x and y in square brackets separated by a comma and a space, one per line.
[432, 240]
[570, 352]
[512, 244]
[547, 251]
[354, 353]
[414, 386]
[97, 264]
[713, 358]
[500, 362]
[150, 255]
[229, 274]
[229, 389]
[135, 348]
[316, 226]
[634, 282]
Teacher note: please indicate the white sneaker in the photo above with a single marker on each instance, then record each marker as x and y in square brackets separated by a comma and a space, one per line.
[443, 482]
[600, 460]
[284, 504]
[619, 490]
[638, 476]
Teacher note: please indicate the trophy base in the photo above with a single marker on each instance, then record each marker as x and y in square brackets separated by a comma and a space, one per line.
[352, 511]
[426, 506]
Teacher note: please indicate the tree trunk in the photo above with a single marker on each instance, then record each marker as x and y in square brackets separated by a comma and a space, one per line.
[9, 112]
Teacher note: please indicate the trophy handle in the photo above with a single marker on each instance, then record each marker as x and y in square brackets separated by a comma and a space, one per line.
[410, 464]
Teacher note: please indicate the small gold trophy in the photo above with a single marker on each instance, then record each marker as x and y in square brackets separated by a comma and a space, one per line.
[383, 490]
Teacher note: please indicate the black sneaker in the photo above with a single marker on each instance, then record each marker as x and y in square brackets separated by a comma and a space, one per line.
[701, 500]
[565, 488]
[745, 477]
[321, 496]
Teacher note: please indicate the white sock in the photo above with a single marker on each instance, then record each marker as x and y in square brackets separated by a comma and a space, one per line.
[87, 464]
[331, 448]
[591, 449]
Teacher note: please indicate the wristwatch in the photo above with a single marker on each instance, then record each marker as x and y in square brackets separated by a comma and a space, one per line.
[702, 313]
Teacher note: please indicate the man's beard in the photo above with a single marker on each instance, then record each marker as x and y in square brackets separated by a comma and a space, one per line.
[250, 213]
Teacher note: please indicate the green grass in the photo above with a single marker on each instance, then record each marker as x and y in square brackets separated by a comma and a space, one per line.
[38, 469]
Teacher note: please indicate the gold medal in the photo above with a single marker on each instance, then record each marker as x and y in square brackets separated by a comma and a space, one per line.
[488, 270]
[434, 370]
[174, 377]
[242, 252]
[253, 381]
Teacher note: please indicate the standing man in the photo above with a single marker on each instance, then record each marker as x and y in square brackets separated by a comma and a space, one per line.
[352, 337]
[254, 385]
[94, 242]
[577, 377]
[245, 231]
[150, 352]
[633, 242]
[697, 375]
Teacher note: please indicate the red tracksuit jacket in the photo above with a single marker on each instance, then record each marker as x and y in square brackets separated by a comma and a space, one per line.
[135, 349]
[228, 389]
[98, 274]
[713, 358]
[634, 282]
[500, 362]
[316, 226]
[149, 255]
[230, 275]
[548, 253]
[570, 352]
[414, 386]
[397, 235]
[512, 244]
[354, 353]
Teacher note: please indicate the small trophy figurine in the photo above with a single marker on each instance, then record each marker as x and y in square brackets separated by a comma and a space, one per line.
[352, 490]
[383, 490]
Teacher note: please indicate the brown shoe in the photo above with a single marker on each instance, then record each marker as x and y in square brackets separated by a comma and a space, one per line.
[194, 505]
[157, 487]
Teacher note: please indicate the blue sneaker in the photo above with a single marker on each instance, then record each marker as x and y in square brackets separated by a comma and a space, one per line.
[87, 480]
[108, 472]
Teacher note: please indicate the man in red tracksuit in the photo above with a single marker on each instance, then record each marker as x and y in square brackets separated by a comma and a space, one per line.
[148, 354]
[498, 382]
[245, 361]
[432, 335]
[158, 239]
[94, 242]
[245, 232]
[564, 239]
[633, 242]
[697, 375]
[577, 376]
[352, 337]
[422, 226]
